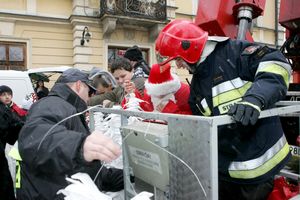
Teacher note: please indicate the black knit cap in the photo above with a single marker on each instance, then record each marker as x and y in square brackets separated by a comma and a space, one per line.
[5, 88]
[134, 53]
[72, 75]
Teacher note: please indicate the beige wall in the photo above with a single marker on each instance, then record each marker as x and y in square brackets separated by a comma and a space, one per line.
[49, 44]
[54, 7]
[187, 7]
[96, 47]
[182, 16]
[268, 19]
[13, 4]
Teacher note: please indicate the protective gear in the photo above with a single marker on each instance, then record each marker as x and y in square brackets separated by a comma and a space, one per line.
[180, 38]
[246, 111]
[111, 179]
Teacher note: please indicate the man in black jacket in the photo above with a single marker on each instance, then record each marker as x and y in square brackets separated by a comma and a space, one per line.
[51, 150]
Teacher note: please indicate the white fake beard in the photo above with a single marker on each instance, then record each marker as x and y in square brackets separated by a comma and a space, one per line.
[158, 100]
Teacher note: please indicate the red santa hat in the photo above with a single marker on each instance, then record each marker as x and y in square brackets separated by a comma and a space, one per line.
[161, 81]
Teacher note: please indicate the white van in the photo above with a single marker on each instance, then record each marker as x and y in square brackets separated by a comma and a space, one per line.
[21, 83]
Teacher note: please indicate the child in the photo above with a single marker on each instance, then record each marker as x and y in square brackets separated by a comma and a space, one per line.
[6, 95]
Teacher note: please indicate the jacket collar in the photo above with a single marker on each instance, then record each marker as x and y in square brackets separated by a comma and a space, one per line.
[66, 93]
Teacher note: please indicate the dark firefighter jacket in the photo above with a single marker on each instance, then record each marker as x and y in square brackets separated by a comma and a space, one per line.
[234, 70]
[48, 157]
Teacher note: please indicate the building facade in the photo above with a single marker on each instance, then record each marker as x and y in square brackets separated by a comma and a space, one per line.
[90, 33]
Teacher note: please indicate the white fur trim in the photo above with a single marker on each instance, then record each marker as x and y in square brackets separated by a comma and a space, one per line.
[163, 88]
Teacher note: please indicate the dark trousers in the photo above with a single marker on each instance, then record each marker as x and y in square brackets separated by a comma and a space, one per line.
[261, 191]
[6, 182]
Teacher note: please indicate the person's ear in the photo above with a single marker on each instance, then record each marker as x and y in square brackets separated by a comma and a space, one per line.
[78, 85]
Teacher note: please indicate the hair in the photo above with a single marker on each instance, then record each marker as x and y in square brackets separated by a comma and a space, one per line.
[101, 80]
[5, 88]
[121, 63]
[37, 83]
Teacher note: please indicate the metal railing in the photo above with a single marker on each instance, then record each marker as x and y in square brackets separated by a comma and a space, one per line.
[181, 129]
[148, 9]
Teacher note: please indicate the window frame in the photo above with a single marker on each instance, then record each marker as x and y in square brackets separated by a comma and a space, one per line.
[21, 65]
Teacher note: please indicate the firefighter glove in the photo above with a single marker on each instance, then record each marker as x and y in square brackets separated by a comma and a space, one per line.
[111, 179]
[246, 111]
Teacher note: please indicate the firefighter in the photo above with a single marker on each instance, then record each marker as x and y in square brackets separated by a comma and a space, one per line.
[240, 79]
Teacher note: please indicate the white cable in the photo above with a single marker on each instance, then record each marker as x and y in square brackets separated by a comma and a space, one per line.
[146, 132]
[102, 165]
[55, 125]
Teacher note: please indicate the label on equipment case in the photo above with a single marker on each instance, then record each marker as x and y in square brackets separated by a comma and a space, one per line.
[145, 159]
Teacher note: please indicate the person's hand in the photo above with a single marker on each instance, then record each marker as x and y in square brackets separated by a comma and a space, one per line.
[161, 106]
[129, 86]
[246, 112]
[100, 147]
[105, 103]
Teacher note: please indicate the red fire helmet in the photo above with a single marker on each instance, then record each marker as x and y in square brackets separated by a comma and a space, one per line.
[180, 38]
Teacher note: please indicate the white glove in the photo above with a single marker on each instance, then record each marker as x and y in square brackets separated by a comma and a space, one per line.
[82, 188]
[143, 196]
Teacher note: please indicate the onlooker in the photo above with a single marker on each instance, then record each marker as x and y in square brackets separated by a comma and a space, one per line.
[40, 89]
[52, 149]
[107, 89]
[123, 73]
[237, 78]
[102, 84]
[135, 56]
[6, 95]
[10, 125]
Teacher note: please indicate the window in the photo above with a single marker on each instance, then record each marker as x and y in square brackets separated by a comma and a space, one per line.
[12, 56]
[115, 52]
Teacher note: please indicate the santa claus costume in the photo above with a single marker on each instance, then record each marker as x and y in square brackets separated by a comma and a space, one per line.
[164, 92]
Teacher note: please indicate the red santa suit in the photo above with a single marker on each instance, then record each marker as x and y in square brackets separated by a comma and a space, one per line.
[164, 92]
